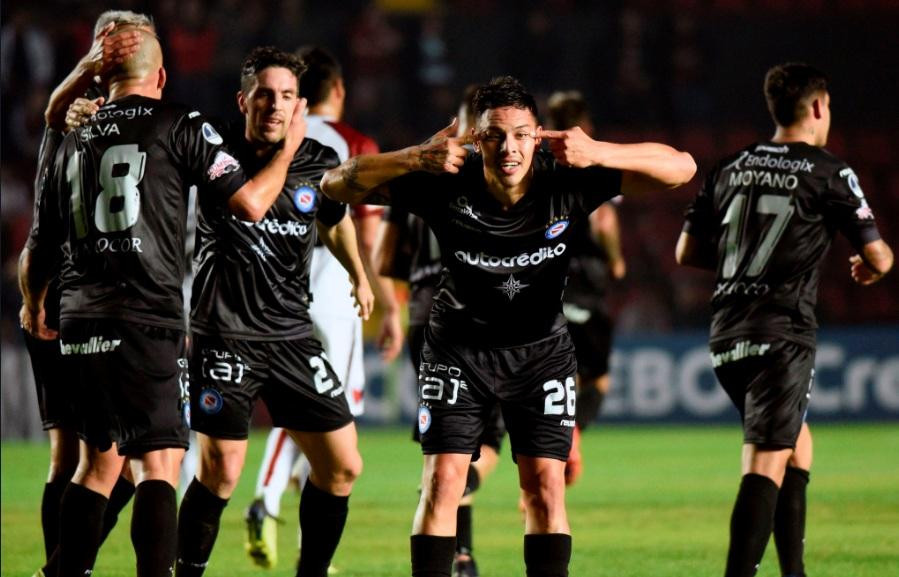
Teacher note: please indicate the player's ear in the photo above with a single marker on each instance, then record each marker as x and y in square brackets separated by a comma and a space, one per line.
[475, 140]
[340, 89]
[537, 139]
[160, 81]
[241, 102]
[816, 107]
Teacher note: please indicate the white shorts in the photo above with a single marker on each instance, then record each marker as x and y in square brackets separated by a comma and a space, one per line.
[337, 325]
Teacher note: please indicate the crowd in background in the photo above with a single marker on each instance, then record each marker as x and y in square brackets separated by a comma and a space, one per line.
[683, 72]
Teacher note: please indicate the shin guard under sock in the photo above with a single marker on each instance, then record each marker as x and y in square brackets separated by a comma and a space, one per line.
[432, 556]
[154, 527]
[198, 527]
[121, 494]
[547, 555]
[50, 512]
[322, 518]
[750, 525]
[789, 522]
[80, 525]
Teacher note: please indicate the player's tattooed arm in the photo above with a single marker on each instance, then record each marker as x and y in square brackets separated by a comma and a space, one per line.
[353, 181]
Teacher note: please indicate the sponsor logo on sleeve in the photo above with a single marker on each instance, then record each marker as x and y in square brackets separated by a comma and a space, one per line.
[223, 164]
[852, 182]
[210, 135]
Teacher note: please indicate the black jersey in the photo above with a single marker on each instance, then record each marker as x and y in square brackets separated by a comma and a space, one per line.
[588, 274]
[504, 270]
[252, 278]
[424, 262]
[46, 154]
[772, 210]
[117, 202]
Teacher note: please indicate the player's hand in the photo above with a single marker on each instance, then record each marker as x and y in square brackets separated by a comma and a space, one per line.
[296, 131]
[570, 147]
[364, 297]
[34, 323]
[109, 50]
[81, 111]
[861, 272]
[390, 336]
[444, 152]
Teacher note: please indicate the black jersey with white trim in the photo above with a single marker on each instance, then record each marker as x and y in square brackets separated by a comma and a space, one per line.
[120, 185]
[252, 278]
[504, 270]
[771, 210]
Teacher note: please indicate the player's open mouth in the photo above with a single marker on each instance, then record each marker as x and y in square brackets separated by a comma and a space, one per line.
[509, 167]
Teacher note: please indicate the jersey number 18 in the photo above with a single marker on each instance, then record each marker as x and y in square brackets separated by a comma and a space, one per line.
[117, 207]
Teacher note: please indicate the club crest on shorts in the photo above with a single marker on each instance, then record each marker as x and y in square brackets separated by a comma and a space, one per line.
[304, 197]
[186, 414]
[424, 419]
[211, 401]
[556, 228]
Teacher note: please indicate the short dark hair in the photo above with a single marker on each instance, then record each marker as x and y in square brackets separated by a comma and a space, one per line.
[266, 57]
[322, 72]
[566, 109]
[787, 89]
[503, 91]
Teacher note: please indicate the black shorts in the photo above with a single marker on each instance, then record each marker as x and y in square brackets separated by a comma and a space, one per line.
[294, 378]
[129, 384]
[53, 381]
[459, 386]
[591, 333]
[495, 429]
[770, 383]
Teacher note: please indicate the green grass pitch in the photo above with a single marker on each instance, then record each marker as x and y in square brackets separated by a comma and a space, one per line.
[653, 501]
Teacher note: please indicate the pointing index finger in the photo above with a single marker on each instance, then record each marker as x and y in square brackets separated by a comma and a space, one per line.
[551, 134]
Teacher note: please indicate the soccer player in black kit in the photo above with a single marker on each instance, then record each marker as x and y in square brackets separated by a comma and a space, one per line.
[252, 334]
[763, 220]
[116, 203]
[51, 373]
[496, 331]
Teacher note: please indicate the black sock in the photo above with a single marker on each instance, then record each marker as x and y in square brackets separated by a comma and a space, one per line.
[121, 494]
[80, 524]
[589, 402]
[547, 555]
[322, 518]
[50, 512]
[472, 481]
[750, 525]
[154, 528]
[198, 526]
[789, 522]
[119, 497]
[463, 530]
[432, 556]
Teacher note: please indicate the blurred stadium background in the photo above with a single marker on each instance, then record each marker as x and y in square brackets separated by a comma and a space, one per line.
[685, 72]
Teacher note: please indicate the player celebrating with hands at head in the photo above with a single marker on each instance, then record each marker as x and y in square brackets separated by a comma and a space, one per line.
[503, 218]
